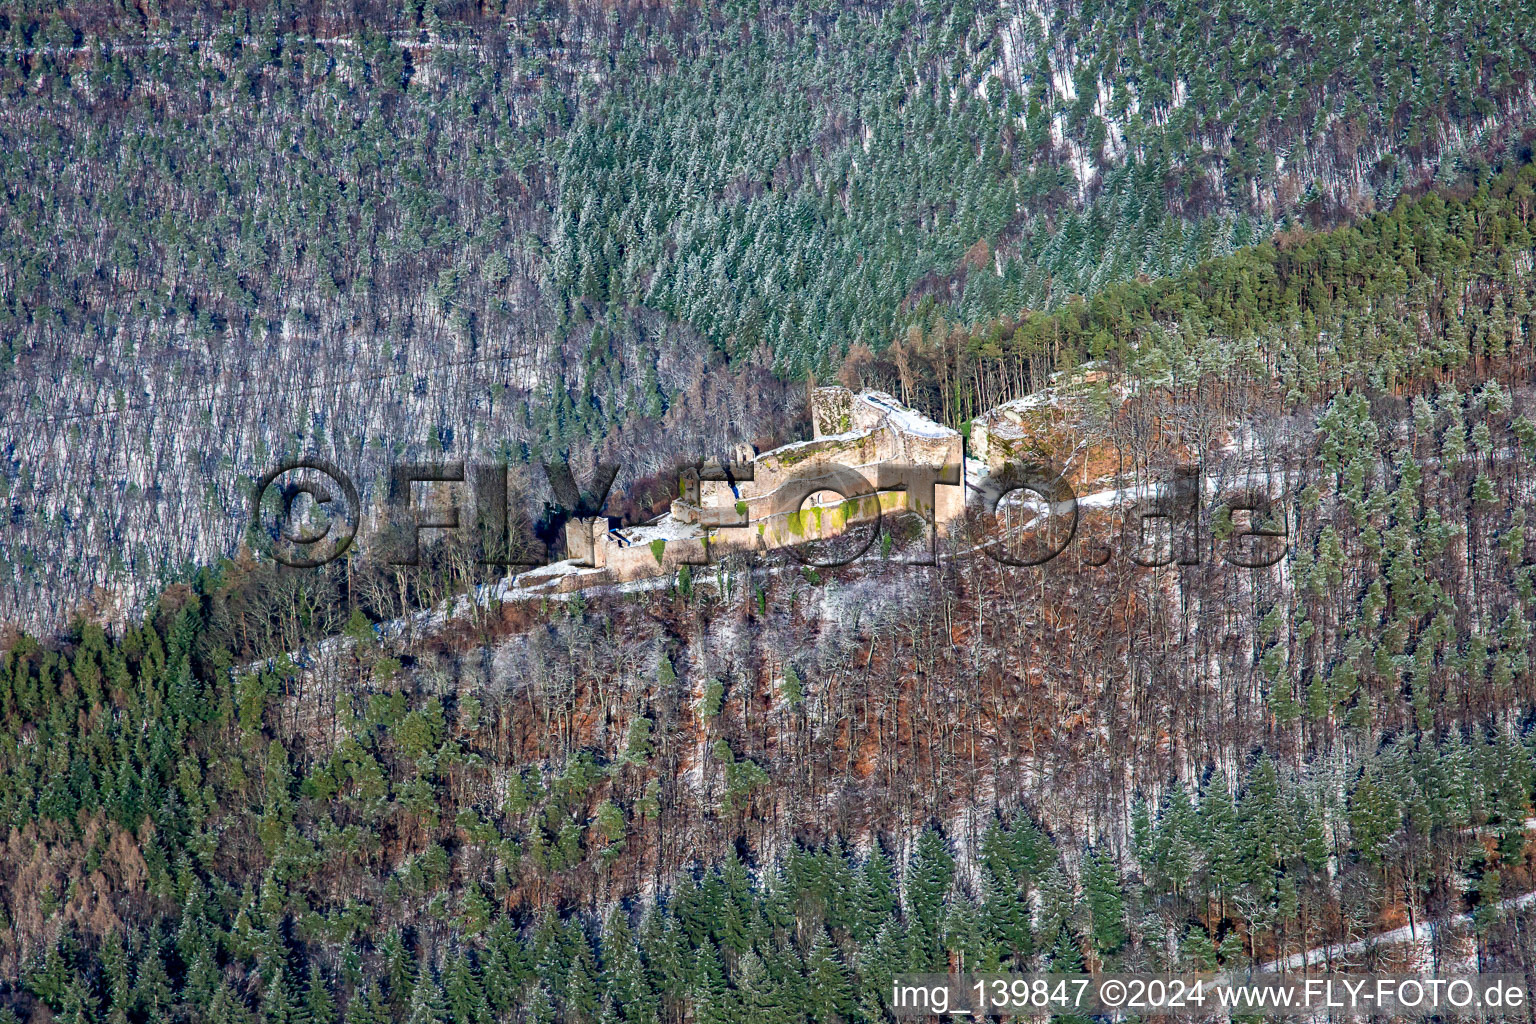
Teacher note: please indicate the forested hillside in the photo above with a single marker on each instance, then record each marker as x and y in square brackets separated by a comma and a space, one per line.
[1401, 299]
[530, 229]
[762, 788]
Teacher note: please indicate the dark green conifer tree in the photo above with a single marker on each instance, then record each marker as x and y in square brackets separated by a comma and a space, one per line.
[928, 878]
[1105, 901]
[827, 983]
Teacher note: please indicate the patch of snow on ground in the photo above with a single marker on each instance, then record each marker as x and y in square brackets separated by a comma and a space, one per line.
[663, 528]
[909, 420]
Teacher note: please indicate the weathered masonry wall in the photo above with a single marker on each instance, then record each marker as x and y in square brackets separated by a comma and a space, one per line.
[862, 442]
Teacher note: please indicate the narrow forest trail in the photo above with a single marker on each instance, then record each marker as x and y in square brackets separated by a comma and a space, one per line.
[1333, 952]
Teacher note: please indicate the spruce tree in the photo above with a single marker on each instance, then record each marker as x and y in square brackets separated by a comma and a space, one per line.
[277, 1004]
[1219, 835]
[366, 1006]
[428, 1005]
[399, 969]
[1373, 818]
[828, 986]
[876, 894]
[1005, 915]
[1174, 838]
[540, 1008]
[1198, 950]
[1058, 901]
[79, 1004]
[964, 937]
[152, 993]
[1106, 902]
[623, 974]
[583, 995]
[462, 991]
[708, 990]
[929, 875]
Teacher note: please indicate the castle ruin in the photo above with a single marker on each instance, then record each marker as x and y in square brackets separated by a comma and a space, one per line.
[869, 454]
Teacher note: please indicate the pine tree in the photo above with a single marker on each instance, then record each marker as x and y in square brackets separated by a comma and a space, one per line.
[1423, 415]
[1453, 443]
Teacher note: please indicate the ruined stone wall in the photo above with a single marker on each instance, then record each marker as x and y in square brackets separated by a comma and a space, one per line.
[807, 491]
[831, 411]
[932, 451]
[793, 463]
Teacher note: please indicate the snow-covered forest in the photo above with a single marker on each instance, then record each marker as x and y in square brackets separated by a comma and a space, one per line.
[514, 232]
[1288, 248]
